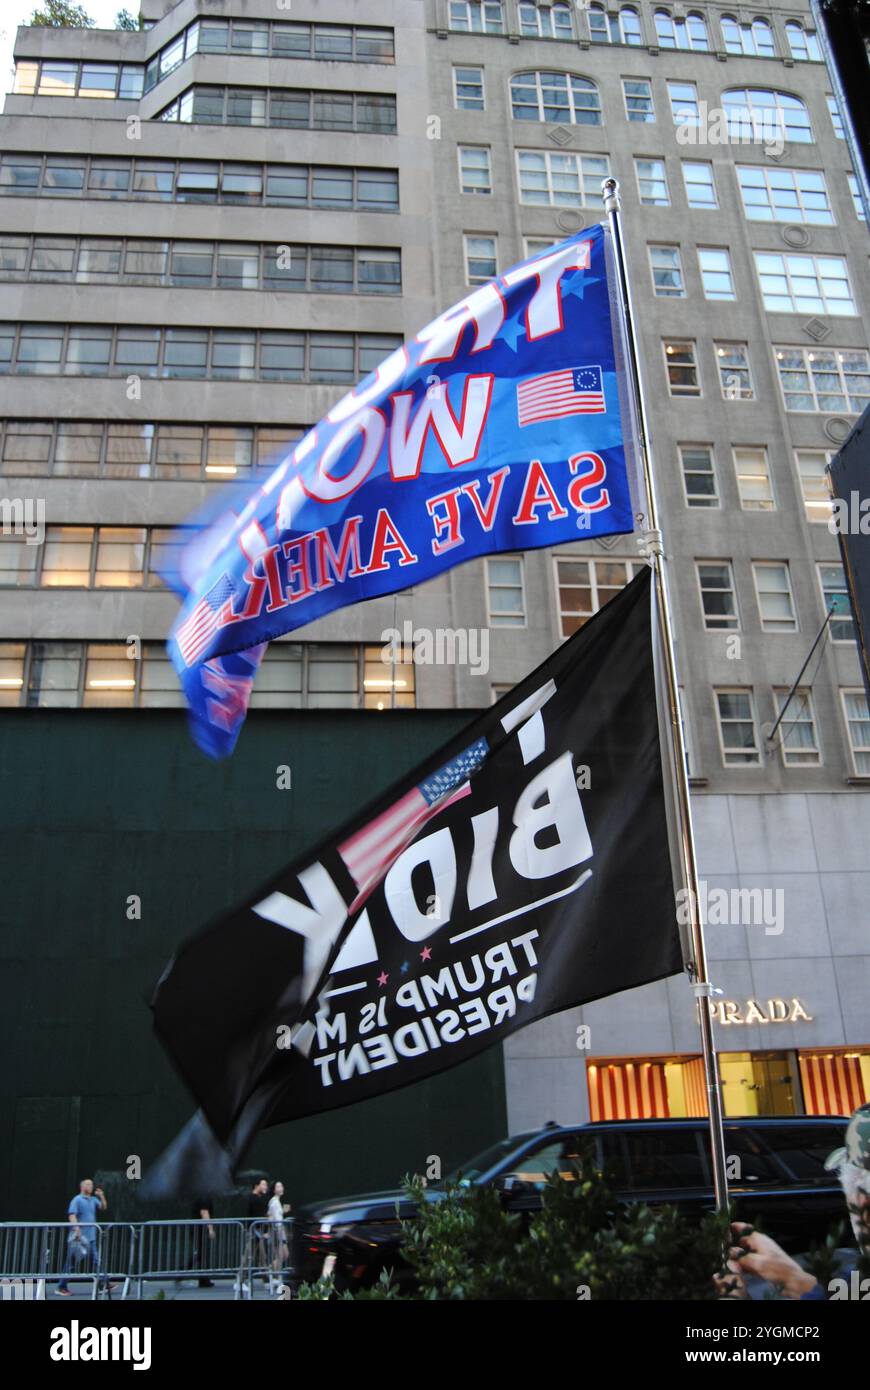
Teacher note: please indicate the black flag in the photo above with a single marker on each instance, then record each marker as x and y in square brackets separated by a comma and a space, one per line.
[521, 870]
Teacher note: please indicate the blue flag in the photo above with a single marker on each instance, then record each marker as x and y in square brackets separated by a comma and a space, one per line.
[498, 427]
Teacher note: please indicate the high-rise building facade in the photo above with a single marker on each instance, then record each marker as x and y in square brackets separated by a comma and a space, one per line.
[214, 226]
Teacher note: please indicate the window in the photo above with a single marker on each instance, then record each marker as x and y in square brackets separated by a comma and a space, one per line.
[804, 45]
[737, 734]
[286, 108]
[614, 28]
[120, 557]
[836, 595]
[468, 93]
[12, 657]
[829, 380]
[775, 601]
[716, 277]
[638, 97]
[546, 21]
[667, 273]
[629, 24]
[652, 182]
[547, 179]
[784, 195]
[836, 117]
[505, 591]
[699, 475]
[481, 261]
[682, 369]
[66, 558]
[54, 674]
[476, 16]
[699, 184]
[857, 201]
[800, 284]
[811, 467]
[753, 479]
[555, 97]
[753, 40]
[475, 174]
[735, 376]
[718, 602]
[684, 103]
[584, 586]
[755, 114]
[855, 711]
[797, 732]
[681, 33]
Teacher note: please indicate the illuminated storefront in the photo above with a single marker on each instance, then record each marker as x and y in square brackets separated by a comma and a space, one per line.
[806, 1081]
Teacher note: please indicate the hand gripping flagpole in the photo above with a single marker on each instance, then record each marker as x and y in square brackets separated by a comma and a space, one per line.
[697, 966]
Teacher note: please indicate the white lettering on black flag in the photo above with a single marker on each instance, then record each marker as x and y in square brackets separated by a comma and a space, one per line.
[522, 870]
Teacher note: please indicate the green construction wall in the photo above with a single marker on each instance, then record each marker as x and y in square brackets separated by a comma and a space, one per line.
[101, 805]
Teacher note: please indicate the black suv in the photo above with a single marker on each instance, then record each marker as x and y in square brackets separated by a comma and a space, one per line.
[778, 1182]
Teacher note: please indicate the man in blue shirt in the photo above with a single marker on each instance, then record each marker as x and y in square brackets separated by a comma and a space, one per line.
[82, 1247]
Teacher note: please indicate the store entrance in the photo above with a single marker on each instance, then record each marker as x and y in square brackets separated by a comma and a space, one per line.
[759, 1083]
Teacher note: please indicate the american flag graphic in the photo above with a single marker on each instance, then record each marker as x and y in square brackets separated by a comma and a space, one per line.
[574, 391]
[197, 630]
[369, 853]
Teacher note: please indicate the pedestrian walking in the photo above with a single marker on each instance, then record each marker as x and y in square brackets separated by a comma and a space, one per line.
[277, 1210]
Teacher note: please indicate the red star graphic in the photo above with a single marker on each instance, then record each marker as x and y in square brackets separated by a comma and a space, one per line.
[382, 979]
[425, 953]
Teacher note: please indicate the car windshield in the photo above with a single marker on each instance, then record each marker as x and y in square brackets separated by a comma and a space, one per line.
[467, 1172]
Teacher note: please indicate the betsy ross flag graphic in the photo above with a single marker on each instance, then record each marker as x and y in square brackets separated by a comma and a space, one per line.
[576, 391]
[489, 887]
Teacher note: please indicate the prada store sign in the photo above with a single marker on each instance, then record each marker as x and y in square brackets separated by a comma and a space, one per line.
[726, 1011]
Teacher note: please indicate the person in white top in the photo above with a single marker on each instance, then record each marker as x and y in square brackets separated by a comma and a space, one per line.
[277, 1210]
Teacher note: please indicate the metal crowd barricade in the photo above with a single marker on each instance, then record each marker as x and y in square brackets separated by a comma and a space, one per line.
[266, 1256]
[37, 1254]
[179, 1250]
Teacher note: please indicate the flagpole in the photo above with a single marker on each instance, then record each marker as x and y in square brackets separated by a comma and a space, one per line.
[697, 967]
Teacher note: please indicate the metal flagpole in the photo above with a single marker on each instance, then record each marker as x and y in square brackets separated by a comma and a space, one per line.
[676, 744]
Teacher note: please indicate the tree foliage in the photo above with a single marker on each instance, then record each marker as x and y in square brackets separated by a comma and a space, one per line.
[61, 14]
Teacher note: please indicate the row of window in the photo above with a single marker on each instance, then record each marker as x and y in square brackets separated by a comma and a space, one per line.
[583, 586]
[221, 354]
[199, 181]
[753, 114]
[332, 43]
[790, 283]
[754, 38]
[128, 81]
[796, 737]
[292, 675]
[285, 107]
[774, 596]
[201, 264]
[136, 557]
[755, 489]
[168, 450]
[546, 178]
[830, 380]
[176, 451]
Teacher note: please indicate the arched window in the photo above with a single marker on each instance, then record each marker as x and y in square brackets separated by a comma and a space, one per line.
[546, 21]
[756, 115]
[555, 97]
[804, 46]
[611, 28]
[753, 40]
[629, 25]
[477, 16]
[690, 32]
